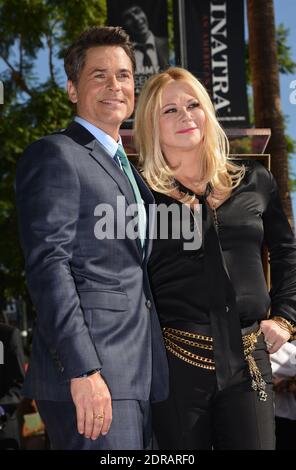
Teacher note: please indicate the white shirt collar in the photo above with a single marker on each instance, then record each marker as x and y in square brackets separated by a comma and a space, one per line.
[106, 140]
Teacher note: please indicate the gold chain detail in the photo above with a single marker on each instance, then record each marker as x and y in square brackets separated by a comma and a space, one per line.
[249, 341]
[209, 347]
[185, 359]
[249, 345]
[285, 324]
[216, 223]
[206, 360]
[187, 334]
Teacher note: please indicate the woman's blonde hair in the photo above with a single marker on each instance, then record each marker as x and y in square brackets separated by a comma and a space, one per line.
[216, 168]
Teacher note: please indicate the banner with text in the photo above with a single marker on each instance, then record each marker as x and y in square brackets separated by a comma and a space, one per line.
[216, 55]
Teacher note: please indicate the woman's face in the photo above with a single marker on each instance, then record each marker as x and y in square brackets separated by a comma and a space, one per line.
[182, 120]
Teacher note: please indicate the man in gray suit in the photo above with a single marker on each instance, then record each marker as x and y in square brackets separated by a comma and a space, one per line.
[98, 357]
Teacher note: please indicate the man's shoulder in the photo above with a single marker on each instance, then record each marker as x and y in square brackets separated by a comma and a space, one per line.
[52, 149]
[61, 141]
[162, 41]
[51, 140]
[161, 45]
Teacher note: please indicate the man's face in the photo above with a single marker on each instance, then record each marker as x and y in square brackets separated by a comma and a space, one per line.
[104, 94]
[135, 21]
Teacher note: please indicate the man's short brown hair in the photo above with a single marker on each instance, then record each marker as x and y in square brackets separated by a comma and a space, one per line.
[74, 59]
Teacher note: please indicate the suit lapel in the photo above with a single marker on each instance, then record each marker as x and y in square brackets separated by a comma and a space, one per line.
[98, 152]
[83, 137]
[108, 164]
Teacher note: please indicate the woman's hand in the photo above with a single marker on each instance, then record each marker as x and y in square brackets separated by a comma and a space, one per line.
[274, 335]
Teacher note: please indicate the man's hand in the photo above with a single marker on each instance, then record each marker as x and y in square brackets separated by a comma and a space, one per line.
[274, 335]
[93, 405]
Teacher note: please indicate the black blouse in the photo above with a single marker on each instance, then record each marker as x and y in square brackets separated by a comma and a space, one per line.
[252, 216]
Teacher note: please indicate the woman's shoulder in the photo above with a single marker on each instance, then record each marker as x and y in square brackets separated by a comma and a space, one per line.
[256, 173]
[162, 198]
[250, 164]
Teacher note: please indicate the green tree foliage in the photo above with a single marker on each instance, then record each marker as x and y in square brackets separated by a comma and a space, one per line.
[31, 109]
[286, 66]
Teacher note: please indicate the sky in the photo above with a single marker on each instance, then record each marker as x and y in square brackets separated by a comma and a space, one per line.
[285, 12]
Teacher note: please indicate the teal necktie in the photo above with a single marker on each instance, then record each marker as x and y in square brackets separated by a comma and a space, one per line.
[126, 167]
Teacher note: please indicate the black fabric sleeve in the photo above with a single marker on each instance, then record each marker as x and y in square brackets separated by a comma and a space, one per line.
[282, 255]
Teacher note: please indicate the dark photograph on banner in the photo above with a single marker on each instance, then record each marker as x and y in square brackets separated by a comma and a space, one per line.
[146, 23]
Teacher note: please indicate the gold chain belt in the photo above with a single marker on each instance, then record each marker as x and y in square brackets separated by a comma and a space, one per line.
[173, 336]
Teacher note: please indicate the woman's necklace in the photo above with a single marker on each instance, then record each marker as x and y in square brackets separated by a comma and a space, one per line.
[212, 205]
[183, 189]
[215, 217]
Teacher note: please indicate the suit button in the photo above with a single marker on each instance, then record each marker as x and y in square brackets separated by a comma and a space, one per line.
[227, 308]
[148, 304]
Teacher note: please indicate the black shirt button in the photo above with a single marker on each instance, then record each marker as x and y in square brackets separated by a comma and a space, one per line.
[148, 304]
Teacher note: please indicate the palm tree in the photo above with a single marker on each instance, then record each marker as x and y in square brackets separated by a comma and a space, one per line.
[266, 90]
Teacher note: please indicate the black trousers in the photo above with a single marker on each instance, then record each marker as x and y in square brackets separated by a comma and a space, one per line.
[285, 434]
[198, 416]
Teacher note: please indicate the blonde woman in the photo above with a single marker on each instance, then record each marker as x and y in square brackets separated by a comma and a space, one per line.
[212, 300]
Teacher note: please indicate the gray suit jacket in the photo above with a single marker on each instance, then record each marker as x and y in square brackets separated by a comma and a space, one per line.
[92, 297]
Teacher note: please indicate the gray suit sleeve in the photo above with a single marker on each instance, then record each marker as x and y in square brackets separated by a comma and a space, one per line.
[48, 195]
